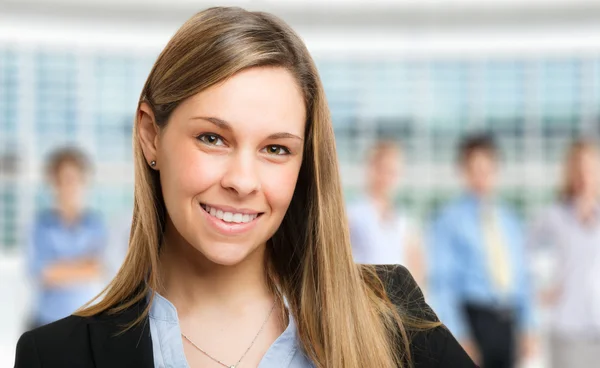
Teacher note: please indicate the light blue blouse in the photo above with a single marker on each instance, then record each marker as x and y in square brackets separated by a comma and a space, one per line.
[167, 344]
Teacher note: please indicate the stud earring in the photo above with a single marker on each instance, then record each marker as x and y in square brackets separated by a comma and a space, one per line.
[152, 163]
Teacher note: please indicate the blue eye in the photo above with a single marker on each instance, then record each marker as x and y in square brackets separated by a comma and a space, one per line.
[277, 150]
[211, 139]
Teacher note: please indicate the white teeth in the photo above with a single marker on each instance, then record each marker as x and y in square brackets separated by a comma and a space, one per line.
[237, 217]
[229, 216]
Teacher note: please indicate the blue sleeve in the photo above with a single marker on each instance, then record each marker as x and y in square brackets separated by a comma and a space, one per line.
[38, 251]
[445, 275]
[99, 236]
[525, 308]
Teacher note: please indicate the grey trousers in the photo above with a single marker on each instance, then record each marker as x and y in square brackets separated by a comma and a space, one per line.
[574, 353]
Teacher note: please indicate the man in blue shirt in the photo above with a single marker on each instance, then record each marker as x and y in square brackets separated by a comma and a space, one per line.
[478, 279]
[65, 250]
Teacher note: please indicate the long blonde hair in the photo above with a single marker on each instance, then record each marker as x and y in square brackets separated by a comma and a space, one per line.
[344, 317]
[571, 168]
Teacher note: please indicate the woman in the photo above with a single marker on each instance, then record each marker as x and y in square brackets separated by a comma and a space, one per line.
[380, 234]
[567, 236]
[65, 252]
[239, 253]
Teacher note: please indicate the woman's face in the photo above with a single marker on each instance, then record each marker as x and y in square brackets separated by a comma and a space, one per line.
[587, 173]
[68, 184]
[384, 173]
[229, 159]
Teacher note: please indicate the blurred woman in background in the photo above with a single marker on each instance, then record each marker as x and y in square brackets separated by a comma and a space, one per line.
[568, 234]
[380, 233]
[65, 251]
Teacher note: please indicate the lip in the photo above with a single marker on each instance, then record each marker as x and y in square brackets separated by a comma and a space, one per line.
[244, 211]
[230, 228]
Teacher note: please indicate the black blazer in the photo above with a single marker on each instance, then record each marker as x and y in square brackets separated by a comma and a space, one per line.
[95, 342]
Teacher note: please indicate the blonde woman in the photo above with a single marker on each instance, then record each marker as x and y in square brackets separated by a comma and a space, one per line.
[569, 233]
[380, 233]
[239, 253]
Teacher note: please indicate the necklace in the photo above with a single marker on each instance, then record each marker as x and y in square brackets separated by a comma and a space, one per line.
[243, 355]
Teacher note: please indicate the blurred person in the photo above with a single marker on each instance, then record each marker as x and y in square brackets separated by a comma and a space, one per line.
[570, 230]
[239, 233]
[379, 233]
[65, 250]
[478, 279]
[118, 233]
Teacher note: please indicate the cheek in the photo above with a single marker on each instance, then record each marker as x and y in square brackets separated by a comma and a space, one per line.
[278, 186]
[187, 171]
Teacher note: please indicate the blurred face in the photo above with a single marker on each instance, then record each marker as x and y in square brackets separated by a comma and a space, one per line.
[229, 160]
[385, 173]
[480, 172]
[69, 187]
[587, 173]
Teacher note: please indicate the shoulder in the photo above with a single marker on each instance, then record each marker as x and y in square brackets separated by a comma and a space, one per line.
[61, 330]
[51, 343]
[46, 217]
[551, 215]
[430, 347]
[511, 217]
[403, 291]
[81, 342]
[451, 210]
[92, 217]
[437, 348]
[357, 207]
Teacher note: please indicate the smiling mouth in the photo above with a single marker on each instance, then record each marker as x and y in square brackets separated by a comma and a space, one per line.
[230, 217]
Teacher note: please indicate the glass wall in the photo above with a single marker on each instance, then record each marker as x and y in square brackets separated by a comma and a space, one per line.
[533, 105]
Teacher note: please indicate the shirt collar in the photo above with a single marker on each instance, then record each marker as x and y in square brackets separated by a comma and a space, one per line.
[476, 201]
[570, 207]
[162, 309]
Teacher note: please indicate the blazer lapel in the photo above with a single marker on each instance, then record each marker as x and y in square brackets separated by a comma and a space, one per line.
[113, 348]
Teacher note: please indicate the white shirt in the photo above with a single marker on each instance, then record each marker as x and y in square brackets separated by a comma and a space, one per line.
[376, 240]
[572, 253]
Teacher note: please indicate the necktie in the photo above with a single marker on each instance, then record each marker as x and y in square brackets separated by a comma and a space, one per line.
[497, 251]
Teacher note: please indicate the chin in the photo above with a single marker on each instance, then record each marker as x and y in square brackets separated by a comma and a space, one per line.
[226, 254]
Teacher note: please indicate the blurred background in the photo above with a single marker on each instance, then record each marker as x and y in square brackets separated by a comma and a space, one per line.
[422, 73]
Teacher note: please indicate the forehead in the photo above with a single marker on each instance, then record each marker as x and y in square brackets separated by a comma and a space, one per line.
[481, 154]
[68, 166]
[67, 171]
[263, 98]
[588, 157]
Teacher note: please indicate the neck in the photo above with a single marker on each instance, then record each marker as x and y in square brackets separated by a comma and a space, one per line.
[585, 206]
[482, 195]
[69, 214]
[193, 283]
[382, 201]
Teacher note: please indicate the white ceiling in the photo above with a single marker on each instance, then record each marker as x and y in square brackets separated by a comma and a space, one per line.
[334, 27]
[381, 13]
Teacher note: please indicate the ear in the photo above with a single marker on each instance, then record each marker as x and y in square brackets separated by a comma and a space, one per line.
[148, 133]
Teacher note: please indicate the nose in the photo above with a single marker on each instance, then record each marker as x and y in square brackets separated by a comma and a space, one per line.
[241, 176]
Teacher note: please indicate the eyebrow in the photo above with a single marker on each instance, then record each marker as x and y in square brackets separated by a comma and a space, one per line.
[226, 126]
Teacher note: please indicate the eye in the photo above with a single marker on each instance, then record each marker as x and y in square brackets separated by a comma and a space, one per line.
[211, 139]
[277, 150]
